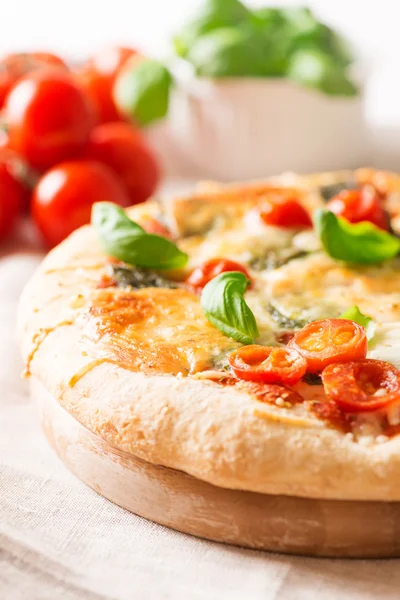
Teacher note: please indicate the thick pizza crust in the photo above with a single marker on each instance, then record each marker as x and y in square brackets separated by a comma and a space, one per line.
[219, 434]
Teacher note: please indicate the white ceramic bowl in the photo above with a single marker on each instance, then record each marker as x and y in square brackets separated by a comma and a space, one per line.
[243, 128]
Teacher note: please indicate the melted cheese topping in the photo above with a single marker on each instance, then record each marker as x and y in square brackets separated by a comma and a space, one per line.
[318, 287]
[238, 244]
[151, 330]
[165, 331]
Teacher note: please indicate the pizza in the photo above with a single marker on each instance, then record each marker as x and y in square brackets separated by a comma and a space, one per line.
[248, 335]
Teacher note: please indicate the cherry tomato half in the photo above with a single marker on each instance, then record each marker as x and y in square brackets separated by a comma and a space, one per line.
[360, 205]
[152, 225]
[12, 195]
[268, 364]
[48, 117]
[330, 341]
[97, 79]
[202, 274]
[62, 200]
[14, 66]
[285, 212]
[362, 386]
[124, 149]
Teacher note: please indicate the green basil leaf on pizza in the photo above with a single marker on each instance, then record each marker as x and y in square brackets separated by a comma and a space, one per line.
[125, 240]
[354, 314]
[359, 243]
[223, 303]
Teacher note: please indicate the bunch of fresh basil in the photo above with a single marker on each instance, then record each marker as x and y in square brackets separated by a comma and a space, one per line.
[227, 39]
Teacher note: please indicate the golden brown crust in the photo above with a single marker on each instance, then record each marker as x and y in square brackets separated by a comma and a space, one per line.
[221, 434]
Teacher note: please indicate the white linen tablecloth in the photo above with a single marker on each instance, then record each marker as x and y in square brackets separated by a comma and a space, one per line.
[59, 540]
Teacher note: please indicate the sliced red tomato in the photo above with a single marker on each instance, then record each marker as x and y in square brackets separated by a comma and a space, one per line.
[364, 204]
[362, 386]
[14, 66]
[97, 79]
[330, 341]
[202, 274]
[152, 225]
[285, 212]
[268, 364]
[105, 282]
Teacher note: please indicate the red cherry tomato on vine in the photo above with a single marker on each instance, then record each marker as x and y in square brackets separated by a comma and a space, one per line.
[14, 66]
[268, 364]
[360, 205]
[202, 274]
[124, 149]
[285, 212]
[12, 195]
[62, 200]
[97, 79]
[362, 386]
[48, 118]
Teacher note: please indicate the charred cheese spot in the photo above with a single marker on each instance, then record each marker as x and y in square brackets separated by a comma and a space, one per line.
[151, 330]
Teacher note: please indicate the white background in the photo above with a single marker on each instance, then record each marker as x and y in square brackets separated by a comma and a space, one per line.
[76, 28]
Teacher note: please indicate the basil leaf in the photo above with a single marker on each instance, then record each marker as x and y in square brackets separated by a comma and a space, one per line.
[229, 52]
[300, 17]
[222, 301]
[354, 314]
[212, 15]
[321, 37]
[361, 243]
[316, 68]
[111, 220]
[142, 91]
[125, 240]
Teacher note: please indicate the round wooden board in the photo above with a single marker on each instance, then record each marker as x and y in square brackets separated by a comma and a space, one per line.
[177, 500]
